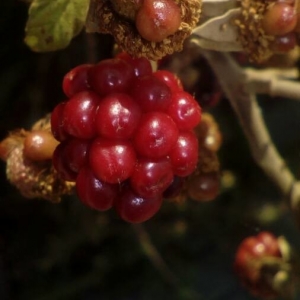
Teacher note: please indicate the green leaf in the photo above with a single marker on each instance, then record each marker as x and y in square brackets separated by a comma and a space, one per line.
[53, 23]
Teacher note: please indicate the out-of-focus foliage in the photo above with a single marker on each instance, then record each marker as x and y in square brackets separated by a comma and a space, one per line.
[51, 25]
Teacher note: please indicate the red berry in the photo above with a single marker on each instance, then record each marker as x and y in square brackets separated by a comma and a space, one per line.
[184, 110]
[141, 65]
[61, 165]
[184, 154]
[57, 122]
[112, 161]
[117, 117]
[151, 93]
[169, 79]
[94, 192]
[111, 76]
[157, 19]
[79, 115]
[284, 43]
[76, 80]
[156, 136]
[136, 209]
[39, 145]
[251, 255]
[151, 177]
[280, 19]
[70, 156]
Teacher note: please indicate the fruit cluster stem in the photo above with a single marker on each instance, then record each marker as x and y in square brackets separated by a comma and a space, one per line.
[244, 103]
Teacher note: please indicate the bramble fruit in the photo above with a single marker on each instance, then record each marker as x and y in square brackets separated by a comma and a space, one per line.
[125, 133]
[254, 256]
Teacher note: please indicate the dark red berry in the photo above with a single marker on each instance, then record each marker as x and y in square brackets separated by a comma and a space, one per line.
[136, 209]
[184, 110]
[141, 65]
[111, 76]
[284, 43]
[61, 165]
[94, 192]
[112, 161]
[79, 115]
[57, 122]
[75, 153]
[184, 154]
[151, 93]
[118, 116]
[156, 136]
[169, 79]
[76, 80]
[151, 177]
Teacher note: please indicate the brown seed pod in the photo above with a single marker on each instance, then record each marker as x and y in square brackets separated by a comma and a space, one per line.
[103, 18]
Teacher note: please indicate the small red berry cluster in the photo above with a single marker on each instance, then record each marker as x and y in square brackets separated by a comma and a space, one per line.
[253, 257]
[125, 133]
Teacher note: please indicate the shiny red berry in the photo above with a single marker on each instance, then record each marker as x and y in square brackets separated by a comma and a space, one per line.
[184, 154]
[184, 110]
[118, 116]
[111, 76]
[79, 115]
[156, 136]
[93, 192]
[151, 94]
[151, 177]
[136, 209]
[112, 161]
[76, 80]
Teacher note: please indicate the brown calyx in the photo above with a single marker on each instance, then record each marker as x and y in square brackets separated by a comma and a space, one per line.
[256, 43]
[33, 179]
[103, 18]
[126, 8]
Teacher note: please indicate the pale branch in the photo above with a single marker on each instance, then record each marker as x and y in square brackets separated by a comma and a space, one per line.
[274, 82]
[244, 103]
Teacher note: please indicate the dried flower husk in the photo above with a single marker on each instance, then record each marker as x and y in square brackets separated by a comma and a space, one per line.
[103, 19]
[256, 43]
[208, 160]
[33, 179]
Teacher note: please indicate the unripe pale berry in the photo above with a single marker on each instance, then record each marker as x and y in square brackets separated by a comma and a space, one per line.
[39, 145]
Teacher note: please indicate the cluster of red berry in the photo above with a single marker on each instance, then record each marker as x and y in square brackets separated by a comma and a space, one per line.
[125, 133]
[256, 263]
[282, 21]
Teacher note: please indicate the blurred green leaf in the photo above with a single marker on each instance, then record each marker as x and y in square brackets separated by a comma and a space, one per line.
[53, 23]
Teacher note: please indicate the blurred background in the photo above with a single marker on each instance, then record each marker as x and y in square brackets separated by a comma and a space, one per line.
[67, 251]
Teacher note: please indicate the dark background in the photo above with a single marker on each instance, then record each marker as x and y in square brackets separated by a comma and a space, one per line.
[66, 251]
